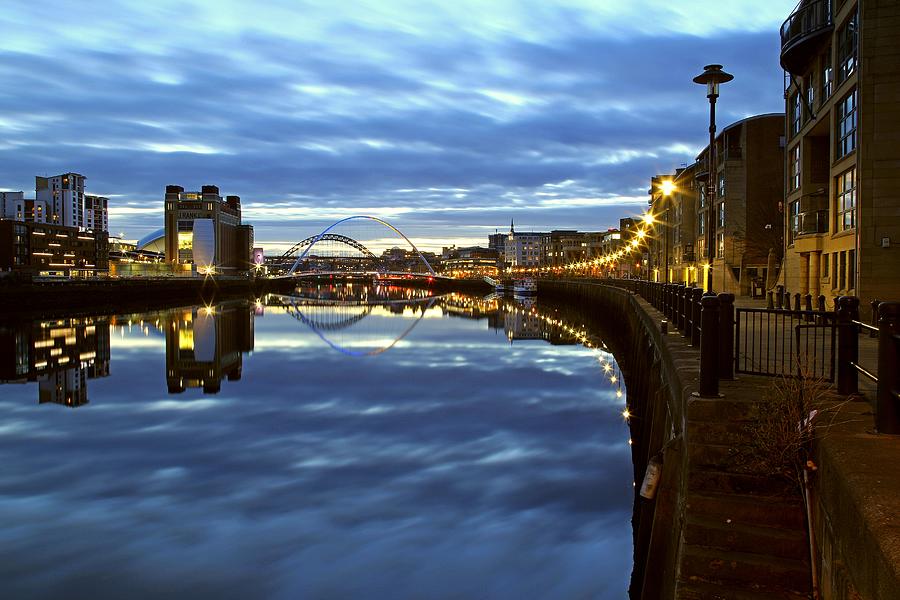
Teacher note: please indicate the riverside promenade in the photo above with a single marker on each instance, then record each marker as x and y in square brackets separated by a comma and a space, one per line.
[717, 529]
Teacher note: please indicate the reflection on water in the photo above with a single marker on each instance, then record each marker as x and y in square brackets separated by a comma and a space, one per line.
[368, 442]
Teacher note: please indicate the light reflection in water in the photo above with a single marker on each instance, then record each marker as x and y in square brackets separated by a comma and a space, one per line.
[483, 455]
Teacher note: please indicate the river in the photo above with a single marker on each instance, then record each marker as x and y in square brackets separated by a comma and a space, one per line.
[342, 442]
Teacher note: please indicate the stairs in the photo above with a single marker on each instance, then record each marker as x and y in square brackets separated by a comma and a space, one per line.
[744, 534]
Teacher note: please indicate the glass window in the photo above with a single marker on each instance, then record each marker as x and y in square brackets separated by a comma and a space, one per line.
[721, 185]
[810, 87]
[851, 269]
[827, 75]
[847, 42]
[846, 200]
[795, 113]
[846, 125]
[834, 270]
[720, 214]
[702, 190]
[843, 271]
[794, 220]
[794, 168]
[720, 245]
[701, 223]
[825, 264]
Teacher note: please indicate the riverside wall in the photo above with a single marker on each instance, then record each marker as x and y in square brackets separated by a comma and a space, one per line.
[855, 493]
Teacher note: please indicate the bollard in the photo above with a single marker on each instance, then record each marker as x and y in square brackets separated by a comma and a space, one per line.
[696, 295]
[709, 347]
[770, 300]
[821, 319]
[822, 303]
[726, 336]
[787, 300]
[664, 327]
[874, 304]
[808, 307]
[887, 411]
[796, 302]
[848, 345]
[779, 296]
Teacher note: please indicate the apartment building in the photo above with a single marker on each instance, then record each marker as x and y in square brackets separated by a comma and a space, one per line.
[842, 217]
[43, 249]
[745, 227]
[522, 249]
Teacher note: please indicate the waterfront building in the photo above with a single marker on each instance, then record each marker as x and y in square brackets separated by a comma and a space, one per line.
[469, 262]
[746, 225]
[674, 229]
[497, 241]
[44, 249]
[63, 195]
[16, 207]
[842, 214]
[96, 213]
[204, 230]
[522, 249]
[562, 247]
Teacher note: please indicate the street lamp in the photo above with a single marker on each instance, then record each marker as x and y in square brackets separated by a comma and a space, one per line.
[711, 77]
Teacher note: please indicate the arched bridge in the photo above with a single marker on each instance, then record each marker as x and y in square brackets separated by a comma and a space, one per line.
[329, 236]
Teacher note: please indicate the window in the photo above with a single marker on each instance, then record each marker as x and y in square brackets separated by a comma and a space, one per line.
[827, 75]
[810, 88]
[851, 269]
[702, 190]
[794, 220]
[847, 42]
[721, 185]
[846, 200]
[834, 270]
[825, 265]
[720, 245]
[701, 223]
[795, 113]
[794, 168]
[720, 214]
[846, 125]
[843, 271]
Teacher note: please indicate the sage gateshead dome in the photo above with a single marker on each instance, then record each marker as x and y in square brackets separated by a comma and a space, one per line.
[204, 230]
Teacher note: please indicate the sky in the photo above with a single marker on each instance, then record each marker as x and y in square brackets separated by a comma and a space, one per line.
[447, 119]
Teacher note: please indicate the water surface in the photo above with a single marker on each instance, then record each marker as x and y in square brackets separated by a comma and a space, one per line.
[354, 443]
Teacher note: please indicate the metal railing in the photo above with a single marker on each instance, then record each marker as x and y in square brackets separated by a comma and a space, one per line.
[781, 340]
[814, 221]
[809, 18]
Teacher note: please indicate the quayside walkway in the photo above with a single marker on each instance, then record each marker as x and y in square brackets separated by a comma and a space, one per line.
[720, 529]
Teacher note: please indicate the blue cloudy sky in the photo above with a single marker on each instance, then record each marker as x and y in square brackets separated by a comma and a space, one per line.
[446, 118]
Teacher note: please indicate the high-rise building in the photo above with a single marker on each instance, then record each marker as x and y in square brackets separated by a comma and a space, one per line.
[205, 230]
[522, 249]
[842, 214]
[64, 198]
[16, 207]
[96, 213]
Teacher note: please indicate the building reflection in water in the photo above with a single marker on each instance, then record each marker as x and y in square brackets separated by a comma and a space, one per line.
[205, 345]
[518, 318]
[60, 355]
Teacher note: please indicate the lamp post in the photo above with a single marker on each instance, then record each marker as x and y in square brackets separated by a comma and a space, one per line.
[711, 77]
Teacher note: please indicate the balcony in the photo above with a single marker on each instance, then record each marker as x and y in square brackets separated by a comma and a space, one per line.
[814, 221]
[802, 32]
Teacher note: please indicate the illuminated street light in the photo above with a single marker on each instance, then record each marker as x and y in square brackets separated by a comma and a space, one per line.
[711, 77]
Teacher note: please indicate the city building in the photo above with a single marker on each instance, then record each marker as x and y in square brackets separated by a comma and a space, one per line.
[674, 209]
[842, 214]
[473, 261]
[96, 213]
[746, 225]
[65, 203]
[563, 247]
[204, 230]
[16, 207]
[522, 249]
[43, 249]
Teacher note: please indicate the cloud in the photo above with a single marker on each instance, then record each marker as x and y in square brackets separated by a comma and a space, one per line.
[314, 108]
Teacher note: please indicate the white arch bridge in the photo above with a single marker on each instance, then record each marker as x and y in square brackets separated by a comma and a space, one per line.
[331, 252]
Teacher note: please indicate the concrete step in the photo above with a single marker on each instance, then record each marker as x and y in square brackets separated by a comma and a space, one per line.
[714, 481]
[783, 512]
[703, 591]
[742, 571]
[720, 410]
[750, 539]
[719, 432]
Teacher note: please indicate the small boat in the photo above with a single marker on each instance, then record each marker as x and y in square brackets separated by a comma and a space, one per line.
[525, 287]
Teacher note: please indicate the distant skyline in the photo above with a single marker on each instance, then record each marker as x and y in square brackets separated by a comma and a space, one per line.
[446, 119]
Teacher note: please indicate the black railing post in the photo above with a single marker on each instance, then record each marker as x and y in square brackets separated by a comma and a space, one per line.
[822, 303]
[770, 301]
[874, 304]
[684, 305]
[779, 296]
[696, 295]
[808, 307]
[709, 347]
[726, 336]
[848, 345]
[667, 300]
[887, 411]
[796, 302]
